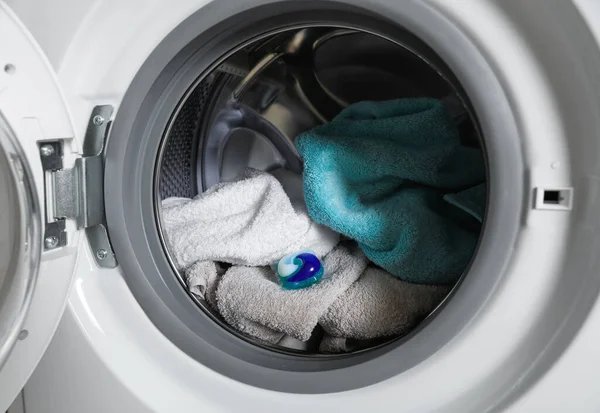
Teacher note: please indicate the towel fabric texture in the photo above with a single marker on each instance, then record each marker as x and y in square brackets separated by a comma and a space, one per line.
[392, 175]
[252, 300]
[202, 279]
[378, 304]
[250, 221]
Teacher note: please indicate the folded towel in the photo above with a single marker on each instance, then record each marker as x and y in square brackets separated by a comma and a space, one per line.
[378, 305]
[252, 300]
[378, 173]
[202, 279]
[250, 221]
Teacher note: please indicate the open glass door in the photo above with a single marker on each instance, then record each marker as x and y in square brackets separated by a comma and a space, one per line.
[36, 264]
[20, 244]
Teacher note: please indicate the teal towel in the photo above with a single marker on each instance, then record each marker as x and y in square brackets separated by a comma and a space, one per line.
[470, 200]
[394, 176]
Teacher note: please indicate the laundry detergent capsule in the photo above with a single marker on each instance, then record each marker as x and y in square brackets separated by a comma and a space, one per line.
[299, 270]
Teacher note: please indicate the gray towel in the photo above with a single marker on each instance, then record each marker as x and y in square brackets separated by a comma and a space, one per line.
[253, 301]
[202, 279]
[250, 221]
[377, 305]
[331, 344]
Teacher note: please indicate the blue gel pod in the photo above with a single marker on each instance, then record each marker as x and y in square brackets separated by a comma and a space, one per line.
[299, 270]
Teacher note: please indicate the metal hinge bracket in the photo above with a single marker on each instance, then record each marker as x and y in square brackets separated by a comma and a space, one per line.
[78, 193]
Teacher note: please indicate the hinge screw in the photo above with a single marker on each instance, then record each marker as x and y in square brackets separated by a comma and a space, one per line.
[51, 242]
[98, 120]
[46, 150]
[101, 254]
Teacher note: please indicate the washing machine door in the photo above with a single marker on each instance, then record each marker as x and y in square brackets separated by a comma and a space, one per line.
[38, 237]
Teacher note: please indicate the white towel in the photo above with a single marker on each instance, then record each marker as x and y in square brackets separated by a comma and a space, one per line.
[250, 221]
[252, 300]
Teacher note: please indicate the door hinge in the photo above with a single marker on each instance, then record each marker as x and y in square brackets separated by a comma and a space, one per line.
[77, 193]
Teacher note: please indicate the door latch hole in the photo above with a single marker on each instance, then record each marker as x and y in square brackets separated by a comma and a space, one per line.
[554, 198]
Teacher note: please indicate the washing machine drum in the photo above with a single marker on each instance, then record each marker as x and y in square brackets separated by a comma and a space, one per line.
[248, 110]
[218, 107]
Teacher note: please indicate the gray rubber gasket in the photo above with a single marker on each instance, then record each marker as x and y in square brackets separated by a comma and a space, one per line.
[129, 188]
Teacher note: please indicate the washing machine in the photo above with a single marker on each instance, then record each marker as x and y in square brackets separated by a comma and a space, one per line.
[108, 107]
